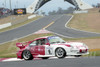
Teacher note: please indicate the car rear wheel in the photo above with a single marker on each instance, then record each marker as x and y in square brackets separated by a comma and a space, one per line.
[27, 55]
[60, 53]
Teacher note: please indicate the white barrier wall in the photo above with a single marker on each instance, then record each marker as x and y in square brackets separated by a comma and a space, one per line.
[32, 16]
[5, 25]
[77, 12]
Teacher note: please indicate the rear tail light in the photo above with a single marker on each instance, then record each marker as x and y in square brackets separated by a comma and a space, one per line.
[80, 50]
[86, 50]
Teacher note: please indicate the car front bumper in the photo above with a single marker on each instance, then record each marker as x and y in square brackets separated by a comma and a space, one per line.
[77, 52]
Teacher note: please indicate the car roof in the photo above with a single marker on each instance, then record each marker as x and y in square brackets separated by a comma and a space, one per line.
[45, 37]
[42, 37]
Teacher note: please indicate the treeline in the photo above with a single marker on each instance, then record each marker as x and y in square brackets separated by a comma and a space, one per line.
[62, 11]
[97, 5]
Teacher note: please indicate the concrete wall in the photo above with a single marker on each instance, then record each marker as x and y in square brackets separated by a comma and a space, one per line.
[32, 16]
[5, 25]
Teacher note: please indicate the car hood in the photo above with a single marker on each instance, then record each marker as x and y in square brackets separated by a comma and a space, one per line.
[70, 43]
[73, 44]
[77, 45]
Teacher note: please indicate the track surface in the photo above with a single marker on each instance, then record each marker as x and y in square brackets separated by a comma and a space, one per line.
[27, 29]
[58, 27]
[75, 62]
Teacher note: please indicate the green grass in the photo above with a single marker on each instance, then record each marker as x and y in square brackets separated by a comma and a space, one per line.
[19, 24]
[80, 22]
[92, 54]
[8, 56]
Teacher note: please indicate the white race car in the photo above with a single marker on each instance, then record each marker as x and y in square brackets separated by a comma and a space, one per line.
[50, 46]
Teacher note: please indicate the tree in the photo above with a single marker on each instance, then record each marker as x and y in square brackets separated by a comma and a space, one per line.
[98, 5]
[62, 11]
[43, 13]
[37, 12]
[50, 13]
[93, 5]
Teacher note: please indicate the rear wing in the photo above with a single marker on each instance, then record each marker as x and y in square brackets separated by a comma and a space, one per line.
[22, 45]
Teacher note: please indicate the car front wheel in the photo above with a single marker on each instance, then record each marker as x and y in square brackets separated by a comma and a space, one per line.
[27, 55]
[60, 53]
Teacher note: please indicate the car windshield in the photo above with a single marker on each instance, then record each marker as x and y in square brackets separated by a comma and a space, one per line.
[54, 39]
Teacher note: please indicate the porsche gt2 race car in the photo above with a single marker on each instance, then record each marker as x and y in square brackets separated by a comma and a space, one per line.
[50, 46]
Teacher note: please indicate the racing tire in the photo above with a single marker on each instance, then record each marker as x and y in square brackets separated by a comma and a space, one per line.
[60, 53]
[45, 57]
[27, 55]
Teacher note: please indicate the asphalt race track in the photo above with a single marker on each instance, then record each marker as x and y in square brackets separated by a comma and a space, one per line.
[69, 62]
[57, 27]
[27, 29]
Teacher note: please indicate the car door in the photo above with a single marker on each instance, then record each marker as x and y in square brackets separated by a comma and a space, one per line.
[37, 47]
[34, 48]
[41, 47]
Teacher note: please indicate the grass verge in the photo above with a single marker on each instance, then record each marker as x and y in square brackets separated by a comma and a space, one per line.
[19, 24]
[93, 53]
[86, 22]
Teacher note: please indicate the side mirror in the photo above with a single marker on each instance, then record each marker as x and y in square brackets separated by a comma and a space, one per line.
[48, 44]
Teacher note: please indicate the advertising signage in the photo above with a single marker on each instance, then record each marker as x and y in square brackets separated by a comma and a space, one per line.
[20, 11]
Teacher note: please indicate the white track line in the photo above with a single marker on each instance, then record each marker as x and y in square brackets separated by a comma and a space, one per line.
[12, 59]
[15, 59]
